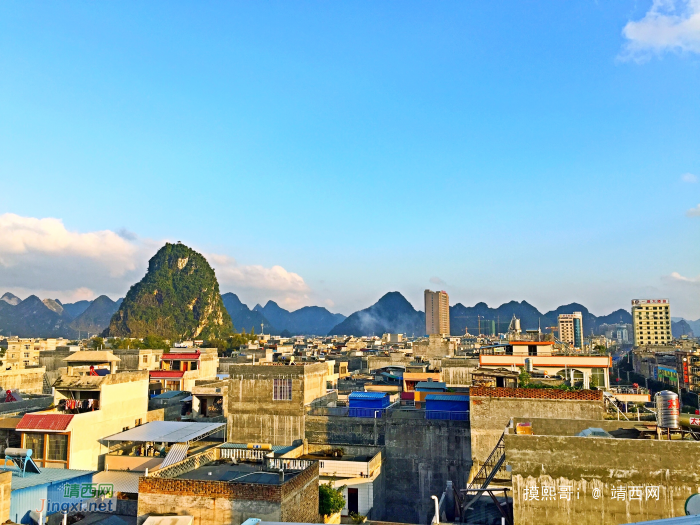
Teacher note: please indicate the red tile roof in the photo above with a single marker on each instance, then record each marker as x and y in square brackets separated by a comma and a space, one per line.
[184, 356]
[44, 422]
[165, 374]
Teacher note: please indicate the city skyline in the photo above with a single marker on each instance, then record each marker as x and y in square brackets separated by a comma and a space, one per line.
[556, 146]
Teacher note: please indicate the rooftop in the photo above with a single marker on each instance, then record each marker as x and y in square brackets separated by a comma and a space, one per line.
[167, 432]
[240, 473]
[92, 356]
[46, 476]
[50, 422]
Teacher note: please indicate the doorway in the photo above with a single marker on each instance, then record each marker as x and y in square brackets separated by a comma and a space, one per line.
[353, 506]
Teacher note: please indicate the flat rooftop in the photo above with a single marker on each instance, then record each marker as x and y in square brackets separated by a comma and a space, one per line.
[240, 473]
[322, 457]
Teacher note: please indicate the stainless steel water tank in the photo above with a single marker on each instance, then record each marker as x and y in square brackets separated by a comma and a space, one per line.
[668, 409]
[528, 365]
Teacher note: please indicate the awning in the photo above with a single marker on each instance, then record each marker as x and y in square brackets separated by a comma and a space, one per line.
[47, 422]
[166, 374]
[167, 432]
[122, 481]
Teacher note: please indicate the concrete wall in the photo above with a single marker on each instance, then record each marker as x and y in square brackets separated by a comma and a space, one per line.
[490, 415]
[5, 490]
[29, 380]
[595, 466]
[457, 372]
[253, 415]
[226, 503]
[123, 401]
[420, 457]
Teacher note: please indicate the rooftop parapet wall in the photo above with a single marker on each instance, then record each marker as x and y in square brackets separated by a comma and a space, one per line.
[536, 393]
[612, 481]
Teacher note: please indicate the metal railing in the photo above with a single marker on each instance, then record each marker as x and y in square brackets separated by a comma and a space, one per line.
[289, 464]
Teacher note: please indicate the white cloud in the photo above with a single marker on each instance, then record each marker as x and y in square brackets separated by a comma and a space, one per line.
[689, 177]
[669, 25]
[41, 256]
[693, 212]
[23, 238]
[678, 277]
[230, 273]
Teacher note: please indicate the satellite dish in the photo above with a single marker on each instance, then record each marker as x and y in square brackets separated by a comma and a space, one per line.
[692, 505]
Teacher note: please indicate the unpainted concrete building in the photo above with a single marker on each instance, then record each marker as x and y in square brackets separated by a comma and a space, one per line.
[267, 403]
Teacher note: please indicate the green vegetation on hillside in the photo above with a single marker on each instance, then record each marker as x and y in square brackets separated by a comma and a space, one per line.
[177, 299]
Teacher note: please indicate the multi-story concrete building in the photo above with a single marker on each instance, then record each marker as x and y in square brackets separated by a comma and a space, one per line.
[181, 367]
[267, 403]
[20, 353]
[651, 319]
[571, 329]
[88, 409]
[688, 366]
[437, 313]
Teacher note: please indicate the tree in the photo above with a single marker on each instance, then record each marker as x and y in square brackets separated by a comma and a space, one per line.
[96, 342]
[330, 500]
[523, 378]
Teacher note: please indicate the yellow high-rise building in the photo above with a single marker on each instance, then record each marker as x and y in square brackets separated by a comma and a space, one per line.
[651, 319]
[437, 313]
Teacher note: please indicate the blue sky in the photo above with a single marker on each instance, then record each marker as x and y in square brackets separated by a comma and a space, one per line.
[325, 153]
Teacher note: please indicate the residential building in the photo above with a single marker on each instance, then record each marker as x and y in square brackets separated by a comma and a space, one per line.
[651, 319]
[571, 329]
[215, 490]
[180, 368]
[88, 409]
[581, 370]
[434, 345]
[267, 403]
[688, 366]
[20, 353]
[437, 313]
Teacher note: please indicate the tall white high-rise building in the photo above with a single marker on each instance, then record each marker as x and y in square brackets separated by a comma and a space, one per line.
[437, 313]
[571, 329]
[651, 319]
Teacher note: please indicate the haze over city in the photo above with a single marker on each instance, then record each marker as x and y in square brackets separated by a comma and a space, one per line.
[324, 154]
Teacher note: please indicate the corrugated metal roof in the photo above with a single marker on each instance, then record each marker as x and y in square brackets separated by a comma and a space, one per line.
[46, 476]
[443, 397]
[166, 432]
[367, 395]
[122, 481]
[185, 356]
[45, 422]
[164, 374]
[431, 385]
[170, 394]
[177, 453]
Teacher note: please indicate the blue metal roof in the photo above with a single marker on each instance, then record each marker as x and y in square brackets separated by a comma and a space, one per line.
[170, 394]
[442, 397]
[46, 476]
[432, 385]
[367, 395]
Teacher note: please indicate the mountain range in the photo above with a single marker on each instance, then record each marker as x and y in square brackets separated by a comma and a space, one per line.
[33, 317]
[274, 319]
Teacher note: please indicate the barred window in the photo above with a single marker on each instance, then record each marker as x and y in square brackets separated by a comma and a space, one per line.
[58, 447]
[281, 389]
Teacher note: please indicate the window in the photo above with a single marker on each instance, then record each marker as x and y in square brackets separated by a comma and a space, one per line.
[531, 349]
[145, 359]
[281, 389]
[58, 447]
[36, 443]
